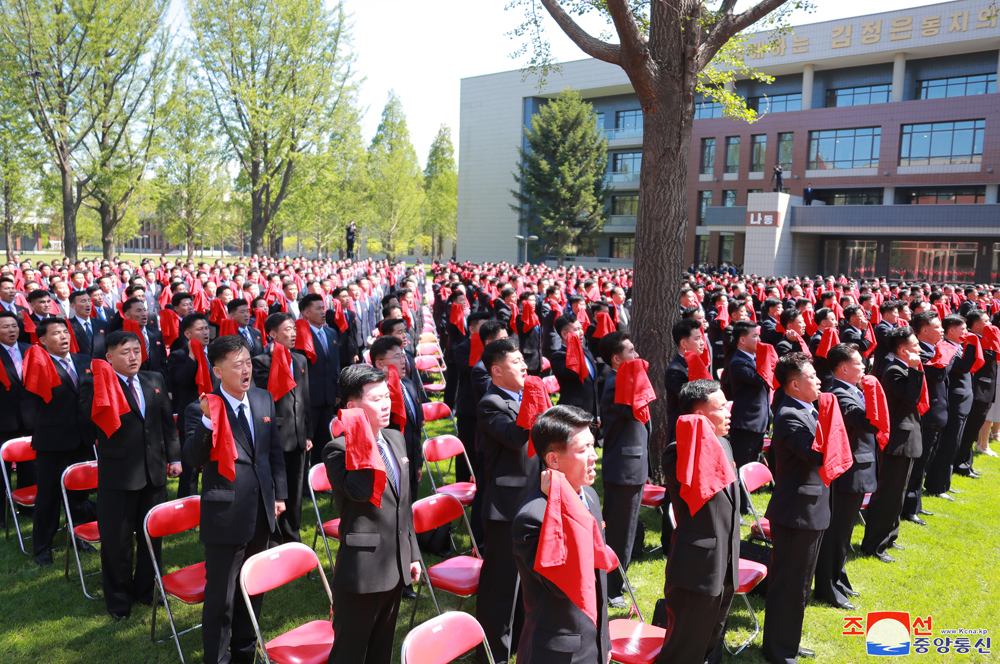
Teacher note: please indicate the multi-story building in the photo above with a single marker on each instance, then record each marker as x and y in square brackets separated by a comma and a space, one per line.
[892, 120]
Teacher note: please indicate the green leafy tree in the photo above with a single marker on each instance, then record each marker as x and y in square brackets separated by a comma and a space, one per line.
[561, 175]
[441, 188]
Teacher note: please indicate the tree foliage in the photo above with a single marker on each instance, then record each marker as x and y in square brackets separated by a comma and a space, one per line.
[441, 189]
[20, 163]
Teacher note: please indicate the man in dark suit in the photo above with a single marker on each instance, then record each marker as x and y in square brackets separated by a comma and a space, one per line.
[550, 339]
[855, 324]
[237, 516]
[824, 319]
[8, 293]
[378, 552]
[625, 467]
[807, 194]
[751, 412]
[294, 428]
[389, 350]
[133, 465]
[890, 315]
[323, 373]
[503, 305]
[555, 628]
[63, 435]
[134, 309]
[832, 584]
[349, 352]
[984, 385]
[239, 311]
[465, 397]
[89, 332]
[688, 337]
[40, 304]
[511, 476]
[17, 417]
[529, 340]
[455, 337]
[700, 579]
[799, 510]
[573, 391]
[771, 311]
[971, 302]
[903, 382]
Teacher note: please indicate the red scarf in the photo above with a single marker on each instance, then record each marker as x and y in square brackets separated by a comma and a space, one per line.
[228, 328]
[259, 322]
[132, 326]
[605, 326]
[218, 313]
[109, 400]
[582, 316]
[339, 318]
[203, 375]
[830, 339]
[943, 352]
[809, 316]
[991, 338]
[534, 401]
[475, 349]
[39, 371]
[802, 343]
[925, 398]
[697, 367]
[555, 306]
[876, 407]
[362, 450]
[170, 326]
[30, 327]
[304, 339]
[405, 308]
[280, 380]
[767, 360]
[702, 466]
[457, 317]
[632, 388]
[398, 406]
[972, 340]
[223, 444]
[74, 347]
[529, 320]
[575, 359]
[723, 316]
[831, 440]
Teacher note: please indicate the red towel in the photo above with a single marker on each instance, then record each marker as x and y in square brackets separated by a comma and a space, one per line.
[170, 326]
[39, 372]
[534, 401]
[571, 546]
[605, 325]
[991, 338]
[223, 444]
[362, 450]
[632, 388]
[203, 376]
[555, 306]
[831, 440]
[943, 352]
[258, 322]
[876, 407]
[529, 319]
[164, 299]
[339, 318]
[228, 328]
[4, 378]
[30, 327]
[941, 308]
[702, 466]
[802, 343]
[767, 360]
[870, 336]
[697, 366]
[218, 312]
[973, 340]
[109, 399]
[752, 315]
[457, 317]
[475, 349]
[304, 339]
[838, 311]
[830, 339]
[575, 359]
[810, 318]
[925, 398]
[280, 379]
[398, 406]
[405, 308]
[74, 347]
[582, 316]
[723, 316]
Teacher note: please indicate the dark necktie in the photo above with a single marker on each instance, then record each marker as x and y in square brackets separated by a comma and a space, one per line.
[389, 472]
[90, 331]
[244, 424]
[815, 415]
[131, 386]
[248, 336]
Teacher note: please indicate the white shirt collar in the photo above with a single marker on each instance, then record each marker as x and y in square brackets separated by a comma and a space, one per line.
[317, 330]
[235, 403]
[82, 321]
[12, 348]
[125, 379]
[807, 406]
[514, 395]
[752, 357]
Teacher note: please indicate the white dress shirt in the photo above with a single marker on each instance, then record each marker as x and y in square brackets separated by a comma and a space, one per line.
[15, 356]
[235, 405]
[140, 397]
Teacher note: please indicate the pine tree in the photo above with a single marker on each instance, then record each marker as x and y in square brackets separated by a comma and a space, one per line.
[441, 187]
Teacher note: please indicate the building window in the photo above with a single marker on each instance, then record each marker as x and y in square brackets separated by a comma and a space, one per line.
[624, 205]
[942, 143]
[758, 152]
[729, 198]
[860, 96]
[844, 148]
[727, 246]
[701, 250]
[732, 154]
[707, 156]
[622, 247]
[785, 142]
[933, 261]
[754, 191]
[941, 195]
[704, 202]
[600, 121]
[627, 162]
[706, 110]
[871, 196]
[957, 86]
[776, 103]
[854, 258]
[628, 119]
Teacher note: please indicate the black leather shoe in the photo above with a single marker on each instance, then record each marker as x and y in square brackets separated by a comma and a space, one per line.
[118, 617]
[410, 593]
[884, 557]
[617, 602]
[943, 496]
[242, 657]
[954, 491]
[898, 547]
[913, 518]
[84, 547]
[805, 652]
[975, 474]
[44, 558]
[852, 593]
[925, 512]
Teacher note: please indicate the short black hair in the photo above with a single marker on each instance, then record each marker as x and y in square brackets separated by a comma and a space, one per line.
[77, 294]
[889, 305]
[383, 345]
[900, 336]
[353, 380]
[308, 300]
[275, 320]
[822, 314]
[129, 303]
[975, 316]
[191, 319]
[852, 311]
[839, 354]
[389, 324]
[497, 351]
[119, 338]
[742, 328]
[490, 329]
[790, 367]
[479, 315]
[43, 325]
[7, 314]
[769, 303]
[952, 321]
[93, 288]
[177, 298]
[683, 328]
[235, 304]
[696, 393]
[688, 312]
[553, 428]
[612, 344]
[562, 321]
[38, 294]
[219, 349]
[788, 315]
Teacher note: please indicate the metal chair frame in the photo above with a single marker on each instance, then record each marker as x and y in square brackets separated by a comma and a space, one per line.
[10, 497]
[70, 535]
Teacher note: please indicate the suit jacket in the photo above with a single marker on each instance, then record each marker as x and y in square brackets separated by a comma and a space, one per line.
[156, 357]
[625, 440]
[984, 381]
[181, 372]
[61, 425]
[551, 342]
[960, 384]
[455, 337]
[937, 389]
[324, 373]
[24, 337]
[413, 434]
[258, 341]
[292, 410]
[800, 499]
[903, 386]
[849, 335]
[704, 547]
[750, 402]
[99, 329]
[571, 391]
[555, 629]
[377, 544]
[17, 405]
[349, 339]
[144, 444]
[861, 476]
[820, 364]
[465, 396]
[502, 311]
[966, 307]
[530, 343]
[769, 331]
[511, 474]
[481, 382]
[676, 377]
[229, 509]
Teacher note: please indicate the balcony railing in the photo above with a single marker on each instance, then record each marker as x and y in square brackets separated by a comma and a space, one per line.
[619, 178]
[620, 220]
[628, 132]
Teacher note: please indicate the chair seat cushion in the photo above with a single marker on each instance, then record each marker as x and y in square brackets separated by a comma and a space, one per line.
[25, 496]
[762, 528]
[434, 387]
[332, 529]
[458, 575]
[653, 496]
[187, 584]
[751, 573]
[635, 642]
[306, 644]
[88, 532]
[464, 491]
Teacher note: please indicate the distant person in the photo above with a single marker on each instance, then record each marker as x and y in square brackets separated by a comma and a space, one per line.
[352, 233]
[776, 178]
[807, 194]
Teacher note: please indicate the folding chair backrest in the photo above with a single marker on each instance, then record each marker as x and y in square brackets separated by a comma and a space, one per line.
[428, 349]
[174, 517]
[428, 338]
[81, 476]
[551, 384]
[278, 566]
[435, 511]
[16, 450]
[755, 475]
[436, 410]
[424, 363]
[442, 448]
[318, 479]
[442, 639]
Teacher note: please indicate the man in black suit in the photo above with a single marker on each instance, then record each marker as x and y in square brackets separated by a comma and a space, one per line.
[550, 339]
[984, 385]
[17, 417]
[824, 318]
[349, 353]
[89, 332]
[799, 510]
[455, 336]
[855, 324]
[688, 337]
[511, 476]
[555, 628]
[465, 397]
[625, 467]
[39, 303]
[239, 311]
[503, 305]
[237, 516]
[971, 302]
[289, 298]
[700, 579]
[832, 584]
[807, 194]
[133, 465]
[771, 311]
[792, 321]
[573, 391]
[378, 552]
[529, 340]
[134, 309]
[890, 315]
[294, 428]
[63, 435]
[903, 382]
[751, 412]
[8, 293]
[389, 350]
[323, 373]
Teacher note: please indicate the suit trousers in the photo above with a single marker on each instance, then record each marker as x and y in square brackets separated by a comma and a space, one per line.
[970, 435]
[913, 502]
[695, 626]
[497, 580]
[747, 446]
[621, 514]
[365, 624]
[790, 575]
[49, 467]
[321, 418]
[225, 621]
[451, 384]
[290, 521]
[467, 434]
[476, 511]
[120, 515]
[886, 504]
[939, 466]
[831, 571]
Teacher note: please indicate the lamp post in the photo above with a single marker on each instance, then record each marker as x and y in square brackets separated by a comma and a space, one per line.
[530, 238]
[140, 246]
[202, 236]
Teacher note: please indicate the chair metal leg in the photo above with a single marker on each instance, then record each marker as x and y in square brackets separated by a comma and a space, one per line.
[756, 630]
[416, 600]
[513, 610]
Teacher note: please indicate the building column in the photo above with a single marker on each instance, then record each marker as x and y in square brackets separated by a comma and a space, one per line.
[898, 76]
[807, 86]
[991, 193]
[888, 195]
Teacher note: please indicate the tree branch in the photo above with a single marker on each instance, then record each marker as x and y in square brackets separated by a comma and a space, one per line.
[592, 46]
[633, 45]
[729, 25]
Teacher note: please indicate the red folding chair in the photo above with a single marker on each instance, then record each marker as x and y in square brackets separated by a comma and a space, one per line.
[430, 350]
[306, 644]
[551, 384]
[458, 575]
[428, 337]
[753, 476]
[437, 410]
[17, 450]
[546, 365]
[443, 639]
[430, 365]
[79, 477]
[634, 642]
[445, 448]
[320, 481]
[751, 574]
[185, 585]
[654, 496]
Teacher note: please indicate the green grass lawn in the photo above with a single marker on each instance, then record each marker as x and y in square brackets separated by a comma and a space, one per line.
[949, 570]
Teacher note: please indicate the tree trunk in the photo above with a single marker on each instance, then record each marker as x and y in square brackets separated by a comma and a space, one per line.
[107, 231]
[68, 212]
[8, 222]
[189, 243]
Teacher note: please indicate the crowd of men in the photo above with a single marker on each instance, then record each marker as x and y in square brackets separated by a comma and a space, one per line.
[237, 378]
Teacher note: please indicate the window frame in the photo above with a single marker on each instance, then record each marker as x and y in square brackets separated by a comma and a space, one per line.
[731, 143]
[842, 154]
[935, 140]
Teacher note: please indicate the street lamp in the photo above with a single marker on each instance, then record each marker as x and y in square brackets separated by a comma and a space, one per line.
[202, 236]
[530, 238]
[140, 246]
